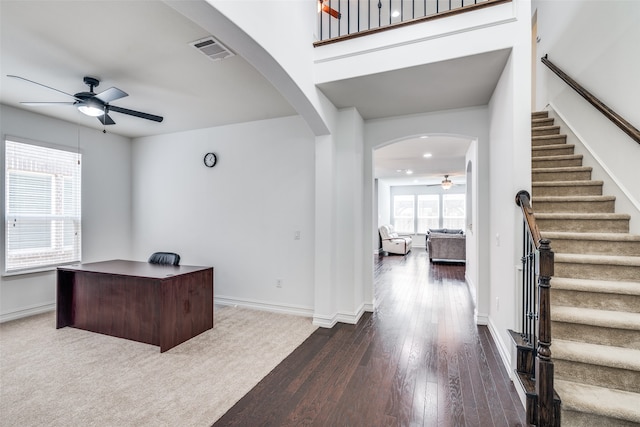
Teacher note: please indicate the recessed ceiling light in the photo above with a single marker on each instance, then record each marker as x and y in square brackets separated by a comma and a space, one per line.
[424, 137]
[427, 155]
[395, 14]
[409, 171]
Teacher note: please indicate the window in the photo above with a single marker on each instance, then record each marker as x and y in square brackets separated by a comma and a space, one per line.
[453, 206]
[415, 209]
[42, 207]
[403, 214]
[428, 212]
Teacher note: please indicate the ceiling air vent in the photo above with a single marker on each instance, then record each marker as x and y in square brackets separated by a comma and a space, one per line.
[212, 48]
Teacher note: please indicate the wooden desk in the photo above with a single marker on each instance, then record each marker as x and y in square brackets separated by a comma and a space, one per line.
[154, 304]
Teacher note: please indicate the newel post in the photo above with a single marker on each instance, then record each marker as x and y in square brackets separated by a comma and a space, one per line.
[544, 364]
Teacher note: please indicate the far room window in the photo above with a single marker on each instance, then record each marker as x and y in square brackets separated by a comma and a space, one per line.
[403, 213]
[453, 210]
[428, 212]
[42, 206]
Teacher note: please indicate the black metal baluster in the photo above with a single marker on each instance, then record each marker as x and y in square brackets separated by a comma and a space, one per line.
[329, 19]
[524, 279]
[348, 17]
[340, 14]
[320, 15]
[358, 15]
[379, 13]
[390, 1]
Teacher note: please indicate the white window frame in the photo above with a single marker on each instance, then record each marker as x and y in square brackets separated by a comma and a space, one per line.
[62, 219]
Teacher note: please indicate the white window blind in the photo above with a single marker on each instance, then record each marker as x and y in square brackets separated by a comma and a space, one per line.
[42, 207]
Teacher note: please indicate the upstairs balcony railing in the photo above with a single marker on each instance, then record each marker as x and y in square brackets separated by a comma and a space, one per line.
[342, 19]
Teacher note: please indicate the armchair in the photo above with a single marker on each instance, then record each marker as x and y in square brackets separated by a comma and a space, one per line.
[392, 242]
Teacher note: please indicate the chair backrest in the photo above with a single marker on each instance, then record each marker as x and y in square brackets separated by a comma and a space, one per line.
[386, 232]
[165, 258]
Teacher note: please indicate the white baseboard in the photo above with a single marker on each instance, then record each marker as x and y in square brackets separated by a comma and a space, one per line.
[350, 318]
[482, 319]
[503, 349]
[260, 305]
[27, 311]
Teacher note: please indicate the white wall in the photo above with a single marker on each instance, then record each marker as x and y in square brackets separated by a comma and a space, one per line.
[106, 203]
[472, 270]
[240, 216]
[596, 43]
[510, 172]
[349, 225]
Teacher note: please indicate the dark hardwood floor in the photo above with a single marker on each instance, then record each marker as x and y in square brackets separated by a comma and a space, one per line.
[418, 360]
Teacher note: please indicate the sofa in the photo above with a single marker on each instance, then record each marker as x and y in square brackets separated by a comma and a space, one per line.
[393, 243]
[446, 245]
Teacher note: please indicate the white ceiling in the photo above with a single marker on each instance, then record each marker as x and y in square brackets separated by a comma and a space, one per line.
[447, 158]
[456, 83]
[142, 47]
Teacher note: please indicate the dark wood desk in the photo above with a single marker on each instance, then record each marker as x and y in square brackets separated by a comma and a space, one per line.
[154, 304]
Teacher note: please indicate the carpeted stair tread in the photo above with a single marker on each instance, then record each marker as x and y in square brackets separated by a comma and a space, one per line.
[601, 286]
[537, 148]
[596, 354]
[552, 128]
[539, 114]
[605, 237]
[593, 317]
[572, 199]
[567, 183]
[573, 215]
[545, 140]
[563, 169]
[631, 261]
[599, 401]
[541, 121]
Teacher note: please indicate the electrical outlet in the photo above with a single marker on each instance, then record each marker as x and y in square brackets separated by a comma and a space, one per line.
[278, 283]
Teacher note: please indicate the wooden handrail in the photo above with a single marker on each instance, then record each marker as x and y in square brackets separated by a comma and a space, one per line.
[523, 199]
[617, 119]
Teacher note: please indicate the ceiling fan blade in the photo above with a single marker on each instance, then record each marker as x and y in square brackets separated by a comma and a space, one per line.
[38, 104]
[136, 113]
[111, 94]
[106, 120]
[40, 84]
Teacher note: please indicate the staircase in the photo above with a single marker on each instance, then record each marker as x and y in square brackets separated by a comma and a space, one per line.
[595, 292]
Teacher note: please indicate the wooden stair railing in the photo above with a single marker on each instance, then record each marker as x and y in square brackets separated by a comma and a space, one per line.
[534, 364]
[616, 118]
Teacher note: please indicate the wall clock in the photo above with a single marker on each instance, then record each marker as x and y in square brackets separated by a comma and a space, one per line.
[210, 160]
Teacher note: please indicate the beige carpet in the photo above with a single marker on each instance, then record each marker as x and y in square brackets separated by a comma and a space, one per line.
[69, 377]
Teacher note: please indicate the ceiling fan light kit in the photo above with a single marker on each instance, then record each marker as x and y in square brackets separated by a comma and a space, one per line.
[94, 104]
[446, 182]
[90, 110]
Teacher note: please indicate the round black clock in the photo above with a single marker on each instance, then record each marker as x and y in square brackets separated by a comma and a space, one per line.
[210, 160]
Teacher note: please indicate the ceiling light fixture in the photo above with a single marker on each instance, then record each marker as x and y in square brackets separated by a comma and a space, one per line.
[446, 182]
[427, 155]
[409, 172]
[90, 110]
[395, 14]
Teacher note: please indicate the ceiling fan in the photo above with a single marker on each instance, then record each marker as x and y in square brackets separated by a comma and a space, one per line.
[445, 184]
[94, 104]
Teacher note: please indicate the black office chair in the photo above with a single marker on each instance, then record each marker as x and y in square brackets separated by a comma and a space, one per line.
[165, 258]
